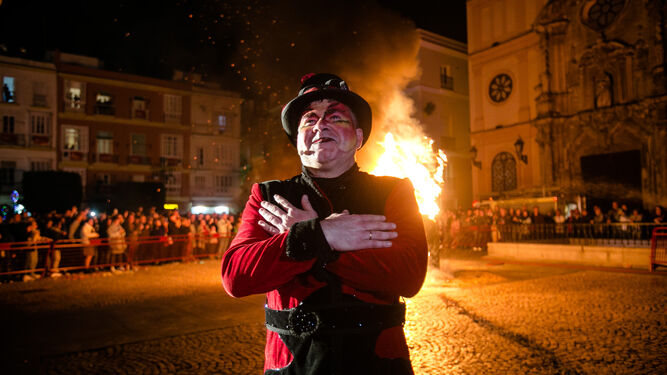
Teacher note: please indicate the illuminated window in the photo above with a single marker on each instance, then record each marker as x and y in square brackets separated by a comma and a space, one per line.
[74, 96]
[104, 104]
[8, 90]
[104, 143]
[503, 172]
[73, 138]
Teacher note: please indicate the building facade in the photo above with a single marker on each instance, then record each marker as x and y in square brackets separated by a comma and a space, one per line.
[440, 95]
[215, 149]
[116, 127]
[28, 112]
[568, 100]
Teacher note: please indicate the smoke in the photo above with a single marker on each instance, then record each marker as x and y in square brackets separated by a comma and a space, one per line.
[373, 49]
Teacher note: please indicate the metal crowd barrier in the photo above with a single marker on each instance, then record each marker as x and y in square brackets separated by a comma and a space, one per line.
[606, 234]
[658, 248]
[52, 257]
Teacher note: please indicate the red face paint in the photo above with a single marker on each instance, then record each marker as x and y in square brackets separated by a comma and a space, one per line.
[327, 137]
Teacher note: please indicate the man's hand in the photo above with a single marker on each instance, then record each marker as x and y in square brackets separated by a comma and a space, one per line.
[279, 220]
[345, 232]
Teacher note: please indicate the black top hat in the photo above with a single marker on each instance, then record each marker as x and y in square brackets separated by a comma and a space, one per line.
[324, 86]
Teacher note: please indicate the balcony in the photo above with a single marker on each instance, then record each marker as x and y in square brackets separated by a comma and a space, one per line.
[447, 82]
[40, 140]
[73, 155]
[105, 158]
[210, 192]
[170, 161]
[138, 160]
[172, 117]
[140, 114]
[103, 109]
[12, 139]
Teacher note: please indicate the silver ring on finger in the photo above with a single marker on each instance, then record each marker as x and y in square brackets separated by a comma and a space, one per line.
[370, 235]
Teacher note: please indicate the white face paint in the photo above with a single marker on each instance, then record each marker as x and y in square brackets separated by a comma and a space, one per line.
[328, 138]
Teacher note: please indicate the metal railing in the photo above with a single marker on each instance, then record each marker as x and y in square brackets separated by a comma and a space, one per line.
[607, 234]
[658, 248]
[33, 260]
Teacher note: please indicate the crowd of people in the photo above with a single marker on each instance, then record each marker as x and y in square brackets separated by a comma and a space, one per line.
[474, 227]
[105, 241]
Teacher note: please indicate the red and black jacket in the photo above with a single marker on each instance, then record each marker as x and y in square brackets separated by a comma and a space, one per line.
[290, 267]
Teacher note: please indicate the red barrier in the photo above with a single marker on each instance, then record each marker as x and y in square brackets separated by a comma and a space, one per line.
[34, 260]
[658, 248]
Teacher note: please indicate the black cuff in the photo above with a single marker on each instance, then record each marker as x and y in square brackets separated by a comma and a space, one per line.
[306, 240]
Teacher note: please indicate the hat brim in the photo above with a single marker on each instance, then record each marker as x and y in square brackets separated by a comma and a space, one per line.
[291, 114]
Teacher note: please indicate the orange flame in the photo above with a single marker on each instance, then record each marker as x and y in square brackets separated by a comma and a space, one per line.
[409, 153]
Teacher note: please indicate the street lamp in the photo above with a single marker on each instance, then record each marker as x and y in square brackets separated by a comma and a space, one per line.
[475, 162]
[518, 147]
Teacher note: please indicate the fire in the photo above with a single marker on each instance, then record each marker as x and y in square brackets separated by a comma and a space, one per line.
[408, 153]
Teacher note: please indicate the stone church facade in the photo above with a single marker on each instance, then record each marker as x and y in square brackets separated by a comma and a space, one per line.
[569, 100]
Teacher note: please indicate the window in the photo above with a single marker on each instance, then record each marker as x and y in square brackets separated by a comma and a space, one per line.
[104, 104]
[221, 122]
[74, 138]
[40, 123]
[503, 172]
[7, 173]
[223, 184]
[171, 146]
[40, 165]
[172, 108]
[172, 182]
[103, 178]
[139, 108]
[39, 94]
[200, 156]
[104, 143]
[138, 144]
[8, 124]
[200, 181]
[446, 79]
[74, 96]
[8, 90]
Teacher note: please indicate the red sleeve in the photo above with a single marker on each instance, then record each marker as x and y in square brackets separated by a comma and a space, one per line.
[255, 261]
[399, 270]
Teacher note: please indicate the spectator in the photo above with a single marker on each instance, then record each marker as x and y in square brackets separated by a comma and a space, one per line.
[658, 216]
[87, 233]
[117, 244]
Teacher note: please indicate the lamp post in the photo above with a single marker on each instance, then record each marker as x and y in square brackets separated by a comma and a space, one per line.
[518, 147]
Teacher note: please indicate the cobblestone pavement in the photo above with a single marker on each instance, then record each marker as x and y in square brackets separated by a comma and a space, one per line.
[470, 318]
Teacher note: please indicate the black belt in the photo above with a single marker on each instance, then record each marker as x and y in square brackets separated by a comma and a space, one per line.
[305, 320]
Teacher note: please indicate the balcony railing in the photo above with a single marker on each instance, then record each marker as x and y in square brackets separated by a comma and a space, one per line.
[168, 161]
[103, 109]
[210, 192]
[12, 139]
[172, 117]
[607, 234]
[140, 114]
[105, 158]
[39, 100]
[40, 140]
[446, 82]
[138, 160]
[73, 155]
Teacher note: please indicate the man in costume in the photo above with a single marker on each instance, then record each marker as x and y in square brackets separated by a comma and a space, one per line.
[333, 248]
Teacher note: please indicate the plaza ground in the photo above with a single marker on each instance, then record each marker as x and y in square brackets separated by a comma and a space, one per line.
[471, 317]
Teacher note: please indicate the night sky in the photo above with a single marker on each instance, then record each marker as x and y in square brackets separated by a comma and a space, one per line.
[240, 44]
